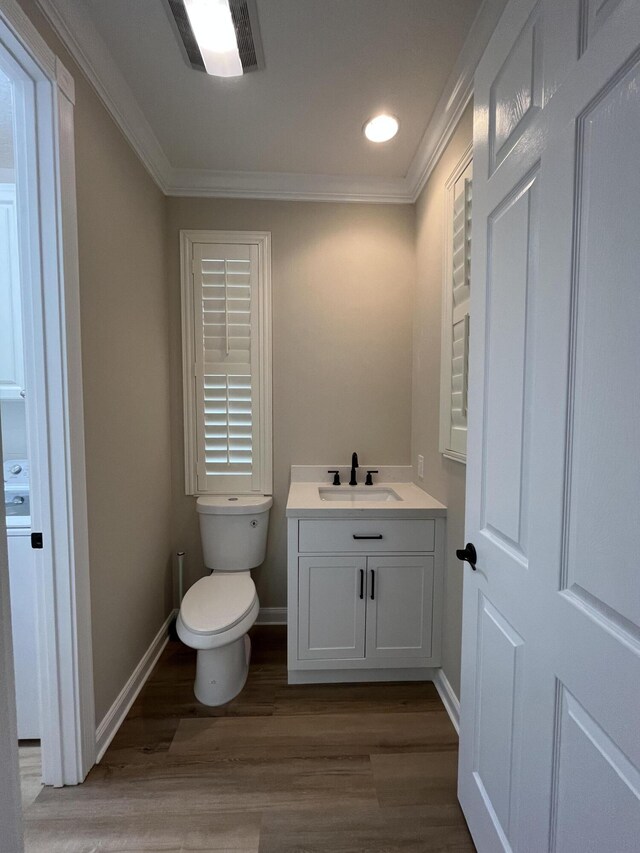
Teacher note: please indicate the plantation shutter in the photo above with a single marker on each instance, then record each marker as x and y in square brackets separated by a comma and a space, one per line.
[460, 293]
[227, 367]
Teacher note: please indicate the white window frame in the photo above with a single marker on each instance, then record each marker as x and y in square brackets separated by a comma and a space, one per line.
[446, 341]
[262, 240]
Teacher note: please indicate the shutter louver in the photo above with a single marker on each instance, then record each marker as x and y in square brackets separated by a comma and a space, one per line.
[460, 293]
[462, 245]
[227, 365]
[459, 371]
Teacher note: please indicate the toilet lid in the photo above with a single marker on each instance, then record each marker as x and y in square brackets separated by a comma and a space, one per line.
[218, 602]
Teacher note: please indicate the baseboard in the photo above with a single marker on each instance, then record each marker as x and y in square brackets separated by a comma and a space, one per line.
[358, 676]
[272, 616]
[449, 698]
[114, 717]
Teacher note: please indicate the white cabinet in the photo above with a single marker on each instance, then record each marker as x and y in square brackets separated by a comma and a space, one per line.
[365, 598]
[11, 352]
[24, 624]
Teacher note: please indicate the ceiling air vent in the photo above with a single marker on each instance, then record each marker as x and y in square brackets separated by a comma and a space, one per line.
[245, 21]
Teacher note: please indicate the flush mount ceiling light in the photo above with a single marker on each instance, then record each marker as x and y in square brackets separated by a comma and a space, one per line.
[381, 128]
[215, 33]
[202, 53]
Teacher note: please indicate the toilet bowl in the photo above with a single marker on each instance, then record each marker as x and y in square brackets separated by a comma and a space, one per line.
[218, 610]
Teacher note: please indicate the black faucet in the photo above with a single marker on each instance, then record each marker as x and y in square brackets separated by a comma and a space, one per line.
[354, 465]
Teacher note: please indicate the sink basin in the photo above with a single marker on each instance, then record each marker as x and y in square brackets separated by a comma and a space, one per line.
[357, 494]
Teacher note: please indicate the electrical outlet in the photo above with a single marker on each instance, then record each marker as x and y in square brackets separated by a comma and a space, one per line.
[421, 467]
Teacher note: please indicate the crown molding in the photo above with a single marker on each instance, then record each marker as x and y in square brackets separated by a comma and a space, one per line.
[288, 186]
[455, 97]
[73, 25]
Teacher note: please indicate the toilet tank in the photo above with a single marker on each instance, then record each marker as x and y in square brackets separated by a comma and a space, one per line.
[234, 531]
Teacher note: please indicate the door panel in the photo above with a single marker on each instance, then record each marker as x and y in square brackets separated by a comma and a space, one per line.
[496, 729]
[590, 769]
[400, 613]
[516, 91]
[512, 246]
[600, 566]
[331, 613]
[593, 15]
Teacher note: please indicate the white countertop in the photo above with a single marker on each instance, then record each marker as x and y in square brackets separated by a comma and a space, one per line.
[305, 502]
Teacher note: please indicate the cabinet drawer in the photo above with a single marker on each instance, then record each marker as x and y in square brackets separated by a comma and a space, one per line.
[366, 535]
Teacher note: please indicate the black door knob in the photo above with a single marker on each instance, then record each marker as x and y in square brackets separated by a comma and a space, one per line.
[468, 554]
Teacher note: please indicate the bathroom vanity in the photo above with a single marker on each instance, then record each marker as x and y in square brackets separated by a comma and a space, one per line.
[365, 578]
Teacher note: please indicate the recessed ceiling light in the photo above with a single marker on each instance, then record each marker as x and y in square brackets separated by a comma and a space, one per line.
[213, 29]
[381, 128]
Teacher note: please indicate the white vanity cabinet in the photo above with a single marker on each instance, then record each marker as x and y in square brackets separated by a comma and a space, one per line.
[364, 597]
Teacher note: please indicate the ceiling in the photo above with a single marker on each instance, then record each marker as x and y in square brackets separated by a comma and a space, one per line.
[293, 129]
[330, 65]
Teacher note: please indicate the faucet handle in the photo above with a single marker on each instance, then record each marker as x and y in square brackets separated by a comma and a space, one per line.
[336, 477]
[369, 480]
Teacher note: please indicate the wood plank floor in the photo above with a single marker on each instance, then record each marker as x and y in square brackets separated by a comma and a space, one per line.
[340, 768]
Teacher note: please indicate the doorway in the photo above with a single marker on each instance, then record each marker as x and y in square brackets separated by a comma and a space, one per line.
[45, 519]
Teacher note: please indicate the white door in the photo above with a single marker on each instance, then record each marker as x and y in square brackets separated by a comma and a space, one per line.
[331, 607]
[550, 701]
[399, 607]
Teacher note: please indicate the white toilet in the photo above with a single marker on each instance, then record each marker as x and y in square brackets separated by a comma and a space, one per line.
[218, 610]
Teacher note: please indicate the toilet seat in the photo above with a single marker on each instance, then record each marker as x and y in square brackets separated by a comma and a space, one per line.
[217, 603]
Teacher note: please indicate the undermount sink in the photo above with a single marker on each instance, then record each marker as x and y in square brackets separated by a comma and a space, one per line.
[357, 494]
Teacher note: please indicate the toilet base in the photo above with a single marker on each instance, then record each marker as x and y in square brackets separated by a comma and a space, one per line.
[221, 673]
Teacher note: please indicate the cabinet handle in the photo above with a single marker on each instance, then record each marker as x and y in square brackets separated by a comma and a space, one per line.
[373, 584]
[361, 583]
[373, 536]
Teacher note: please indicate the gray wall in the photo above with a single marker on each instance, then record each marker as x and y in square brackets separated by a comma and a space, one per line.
[342, 279]
[125, 360]
[443, 478]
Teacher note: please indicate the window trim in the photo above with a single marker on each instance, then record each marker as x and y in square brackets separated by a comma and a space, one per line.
[447, 310]
[262, 240]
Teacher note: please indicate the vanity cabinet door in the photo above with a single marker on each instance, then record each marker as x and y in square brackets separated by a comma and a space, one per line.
[331, 613]
[399, 607]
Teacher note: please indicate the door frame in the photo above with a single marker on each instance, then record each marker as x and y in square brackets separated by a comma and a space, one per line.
[64, 608]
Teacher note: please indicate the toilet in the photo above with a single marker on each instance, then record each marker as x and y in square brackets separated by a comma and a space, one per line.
[218, 610]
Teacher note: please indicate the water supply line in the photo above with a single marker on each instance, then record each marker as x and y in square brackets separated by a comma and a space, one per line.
[180, 556]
